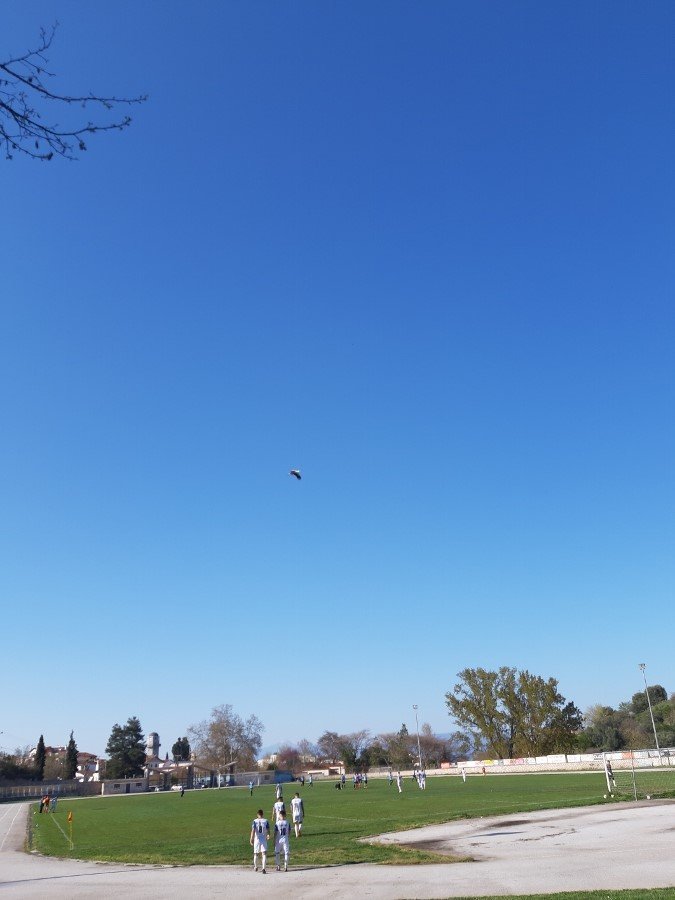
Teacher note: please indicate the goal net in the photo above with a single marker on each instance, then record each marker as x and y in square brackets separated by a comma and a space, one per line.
[640, 774]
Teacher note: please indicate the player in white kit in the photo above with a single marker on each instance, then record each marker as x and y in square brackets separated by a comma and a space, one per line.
[260, 833]
[298, 810]
[278, 808]
[282, 836]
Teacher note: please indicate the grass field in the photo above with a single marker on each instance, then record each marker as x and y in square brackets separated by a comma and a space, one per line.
[212, 826]
[648, 894]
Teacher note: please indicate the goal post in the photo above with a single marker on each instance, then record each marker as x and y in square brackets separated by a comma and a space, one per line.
[640, 774]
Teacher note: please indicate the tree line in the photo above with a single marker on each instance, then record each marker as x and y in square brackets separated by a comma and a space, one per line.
[19, 766]
[502, 714]
[629, 726]
[508, 714]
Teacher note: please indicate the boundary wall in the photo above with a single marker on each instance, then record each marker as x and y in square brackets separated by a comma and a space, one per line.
[563, 762]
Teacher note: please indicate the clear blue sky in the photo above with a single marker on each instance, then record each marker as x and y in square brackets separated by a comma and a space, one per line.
[421, 251]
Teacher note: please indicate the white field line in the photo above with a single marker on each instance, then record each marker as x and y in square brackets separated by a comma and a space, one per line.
[51, 816]
[6, 812]
[339, 818]
[11, 824]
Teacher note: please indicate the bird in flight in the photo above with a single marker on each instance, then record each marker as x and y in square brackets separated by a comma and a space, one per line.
[296, 474]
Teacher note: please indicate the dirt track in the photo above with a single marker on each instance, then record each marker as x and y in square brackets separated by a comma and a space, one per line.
[624, 845]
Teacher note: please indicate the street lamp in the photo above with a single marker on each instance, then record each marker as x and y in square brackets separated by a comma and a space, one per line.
[649, 704]
[417, 727]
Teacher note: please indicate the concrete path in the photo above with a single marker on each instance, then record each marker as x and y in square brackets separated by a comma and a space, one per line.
[615, 846]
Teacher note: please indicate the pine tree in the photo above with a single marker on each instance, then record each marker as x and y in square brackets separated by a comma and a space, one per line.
[71, 758]
[181, 750]
[126, 750]
[40, 759]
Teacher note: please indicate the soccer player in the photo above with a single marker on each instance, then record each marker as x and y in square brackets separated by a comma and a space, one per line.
[298, 810]
[278, 808]
[281, 839]
[399, 783]
[279, 792]
[311, 780]
[260, 833]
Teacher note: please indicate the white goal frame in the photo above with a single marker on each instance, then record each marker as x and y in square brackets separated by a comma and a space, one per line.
[642, 773]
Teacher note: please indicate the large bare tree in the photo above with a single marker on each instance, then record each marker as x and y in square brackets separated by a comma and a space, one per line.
[227, 740]
[28, 105]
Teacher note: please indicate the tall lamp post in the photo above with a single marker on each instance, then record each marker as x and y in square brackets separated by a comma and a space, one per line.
[649, 704]
[417, 727]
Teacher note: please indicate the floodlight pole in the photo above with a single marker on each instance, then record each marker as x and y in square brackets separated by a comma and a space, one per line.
[417, 727]
[649, 704]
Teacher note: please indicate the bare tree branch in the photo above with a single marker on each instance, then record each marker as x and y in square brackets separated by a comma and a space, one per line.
[23, 85]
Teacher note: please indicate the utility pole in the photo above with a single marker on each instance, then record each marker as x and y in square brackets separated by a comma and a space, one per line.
[649, 704]
[417, 727]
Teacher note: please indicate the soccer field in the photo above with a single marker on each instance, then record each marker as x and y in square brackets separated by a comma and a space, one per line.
[212, 826]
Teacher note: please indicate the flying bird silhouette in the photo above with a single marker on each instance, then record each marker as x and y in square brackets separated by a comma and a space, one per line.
[296, 474]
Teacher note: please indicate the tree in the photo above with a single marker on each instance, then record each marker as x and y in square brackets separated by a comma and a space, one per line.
[657, 694]
[354, 749]
[630, 725]
[40, 759]
[308, 751]
[458, 746]
[226, 741]
[288, 758]
[478, 706]
[126, 750]
[181, 750]
[394, 748]
[328, 746]
[351, 749]
[432, 747]
[55, 766]
[545, 722]
[71, 758]
[15, 768]
[514, 713]
[25, 99]
[605, 728]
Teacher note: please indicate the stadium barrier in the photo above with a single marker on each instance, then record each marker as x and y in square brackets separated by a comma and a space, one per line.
[565, 762]
[35, 789]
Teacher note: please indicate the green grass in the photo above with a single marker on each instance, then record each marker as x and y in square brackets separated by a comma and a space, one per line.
[647, 894]
[212, 826]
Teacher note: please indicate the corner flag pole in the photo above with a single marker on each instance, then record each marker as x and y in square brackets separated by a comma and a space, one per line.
[70, 829]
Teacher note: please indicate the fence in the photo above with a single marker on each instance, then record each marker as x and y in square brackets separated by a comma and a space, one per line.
[35, 789]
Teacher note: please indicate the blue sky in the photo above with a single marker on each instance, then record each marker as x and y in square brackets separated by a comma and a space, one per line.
[422, 252]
